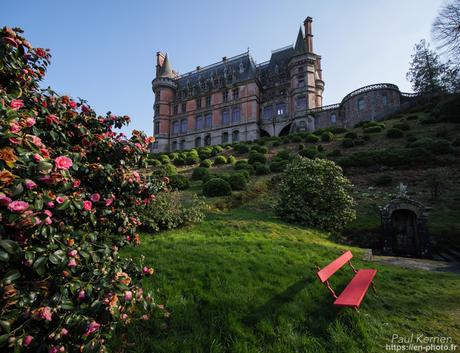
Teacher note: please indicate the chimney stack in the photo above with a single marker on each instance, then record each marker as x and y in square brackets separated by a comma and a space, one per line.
[308, 34]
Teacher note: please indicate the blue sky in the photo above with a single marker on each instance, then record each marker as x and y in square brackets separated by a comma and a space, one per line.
[104, 50]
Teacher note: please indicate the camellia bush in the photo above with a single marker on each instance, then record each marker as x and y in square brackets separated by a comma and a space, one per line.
[315, 193]
[69, 198]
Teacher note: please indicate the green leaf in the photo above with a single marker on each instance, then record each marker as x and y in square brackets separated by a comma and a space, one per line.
[67, 305]
[63, 205]
[38, 204]
[44, 166]
[4, 339]
[54, 135]
[11, 247]
[39, 265]
[78, 204]
[93, 219]
[4, 256]
[11, 276]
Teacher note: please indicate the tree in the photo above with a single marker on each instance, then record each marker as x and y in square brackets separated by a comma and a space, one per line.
[446, 31]
[426, 70]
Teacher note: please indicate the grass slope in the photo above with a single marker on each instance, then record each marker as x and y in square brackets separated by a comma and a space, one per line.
[243, 281]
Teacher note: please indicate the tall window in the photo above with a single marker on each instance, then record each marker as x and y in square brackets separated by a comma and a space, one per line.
[183, 108]
[301, 103]
[198, 142]
[333, 118]
[225, 117]
[384, 99]
[280, 109]
[361, 104]
[225, 96]
[300, 81]
[225, 138]
[176, 127]
[156, 128]
[182, 144]
[176, 109]
[235, 115]
[208, 101]
[268, 112]
[208, 121]
[198, 103]
[183, 125]
[157, 109]
[235, 136]
[207, 140]
[199, 123]
[236, 93]
[174, 145]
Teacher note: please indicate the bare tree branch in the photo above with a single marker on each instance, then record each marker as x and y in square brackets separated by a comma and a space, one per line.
[446, 30]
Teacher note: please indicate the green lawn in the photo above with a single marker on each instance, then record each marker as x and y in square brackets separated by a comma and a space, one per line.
[242, 281]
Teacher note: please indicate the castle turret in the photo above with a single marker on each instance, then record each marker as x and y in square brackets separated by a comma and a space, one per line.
[308, 34]
[164, 87]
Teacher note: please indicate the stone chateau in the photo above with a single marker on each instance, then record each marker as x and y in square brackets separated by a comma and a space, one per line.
[238, 100]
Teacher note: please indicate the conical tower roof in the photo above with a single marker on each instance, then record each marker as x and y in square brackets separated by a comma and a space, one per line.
[300, 43]
[166, 69]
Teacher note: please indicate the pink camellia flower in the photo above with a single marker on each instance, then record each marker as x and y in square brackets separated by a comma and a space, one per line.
[93, 326]
[13, 140]
[44, 313]
[128, 295]
[27, 341]
[45, 152]
[85, 109]
[108, 202]
[41, 53]
[64, 332]
[53, 349]
[60, 199]
[48, 213]
[144, 317]
[10, 41]
[63, 162]
[30, 122]
[81, 295]
[72, 104]
[4, 200]
[37, 157]
[95, 197]
[36, 140]
[123, 316]
[48, 220]
[15, 127]
[50, 204]
[87, 205]
[30, 185]
[50, 119]
[16, 104]
[76, 183]
[72, 253]
[18, 206]
[72, 263]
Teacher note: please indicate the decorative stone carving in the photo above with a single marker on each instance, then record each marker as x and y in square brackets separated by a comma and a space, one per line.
[404, 227]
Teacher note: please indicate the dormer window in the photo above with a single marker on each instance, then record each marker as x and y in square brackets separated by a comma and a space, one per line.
[183, 108]
[241, 68]
[236, 93]
[225, 96]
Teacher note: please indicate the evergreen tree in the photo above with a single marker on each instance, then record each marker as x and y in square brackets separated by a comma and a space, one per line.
[426, 71]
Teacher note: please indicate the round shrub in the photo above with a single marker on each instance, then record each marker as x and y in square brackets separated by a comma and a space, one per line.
[241, 163]
[231, 160]
[315, 193]
[320, 148]
[348, 143]
[327, 136]
[168, 169]
[312, 138]
[217, 148]
[351, 135]
[276, 143]
[217, 187]
[261, 169]
[154, 163]
[337, 130]
[296, 138]
[395, 133]
[199, 173]
[310, 152]
[402, 126]
[257, 158]
[383, 180]
[164, 159]
[179, 161]
[238, 181]
[220, 160]
[245, 166]
[373, 129]
[241, 148]
[179, 182]
[192, 159]
[278, 165]
[70, 196]
[284, 154]
[301, 146]
[206, 163]
[436, 146]
[205, 153]
[263, 149]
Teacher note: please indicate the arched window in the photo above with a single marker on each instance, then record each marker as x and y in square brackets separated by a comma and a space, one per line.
[333, 118]
[225, 138]
[207, 140]
[198, 142]
[235, 136]
[182, 144]
[174, 145]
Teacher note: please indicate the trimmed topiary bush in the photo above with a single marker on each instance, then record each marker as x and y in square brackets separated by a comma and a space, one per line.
[296, 138]
[315, 193]
[395, 133]
[309, 152]
[217, 187]
[278, 165]
[206, 163]
[220, 160]
[255, 157]
[348, 143]
[312, 138]
[351, 135]
[168, 170]
[402, 126]
[241, 148]
[436, 146]
[164, 159]
[199, 173]
[327, 136]
[261, 169]
[238, 181]
[373, 129]
[154, 163]
[231, 160]
[179, 182]
[284, 154]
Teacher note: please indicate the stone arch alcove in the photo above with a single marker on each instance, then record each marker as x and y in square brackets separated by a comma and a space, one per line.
[404, 228]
